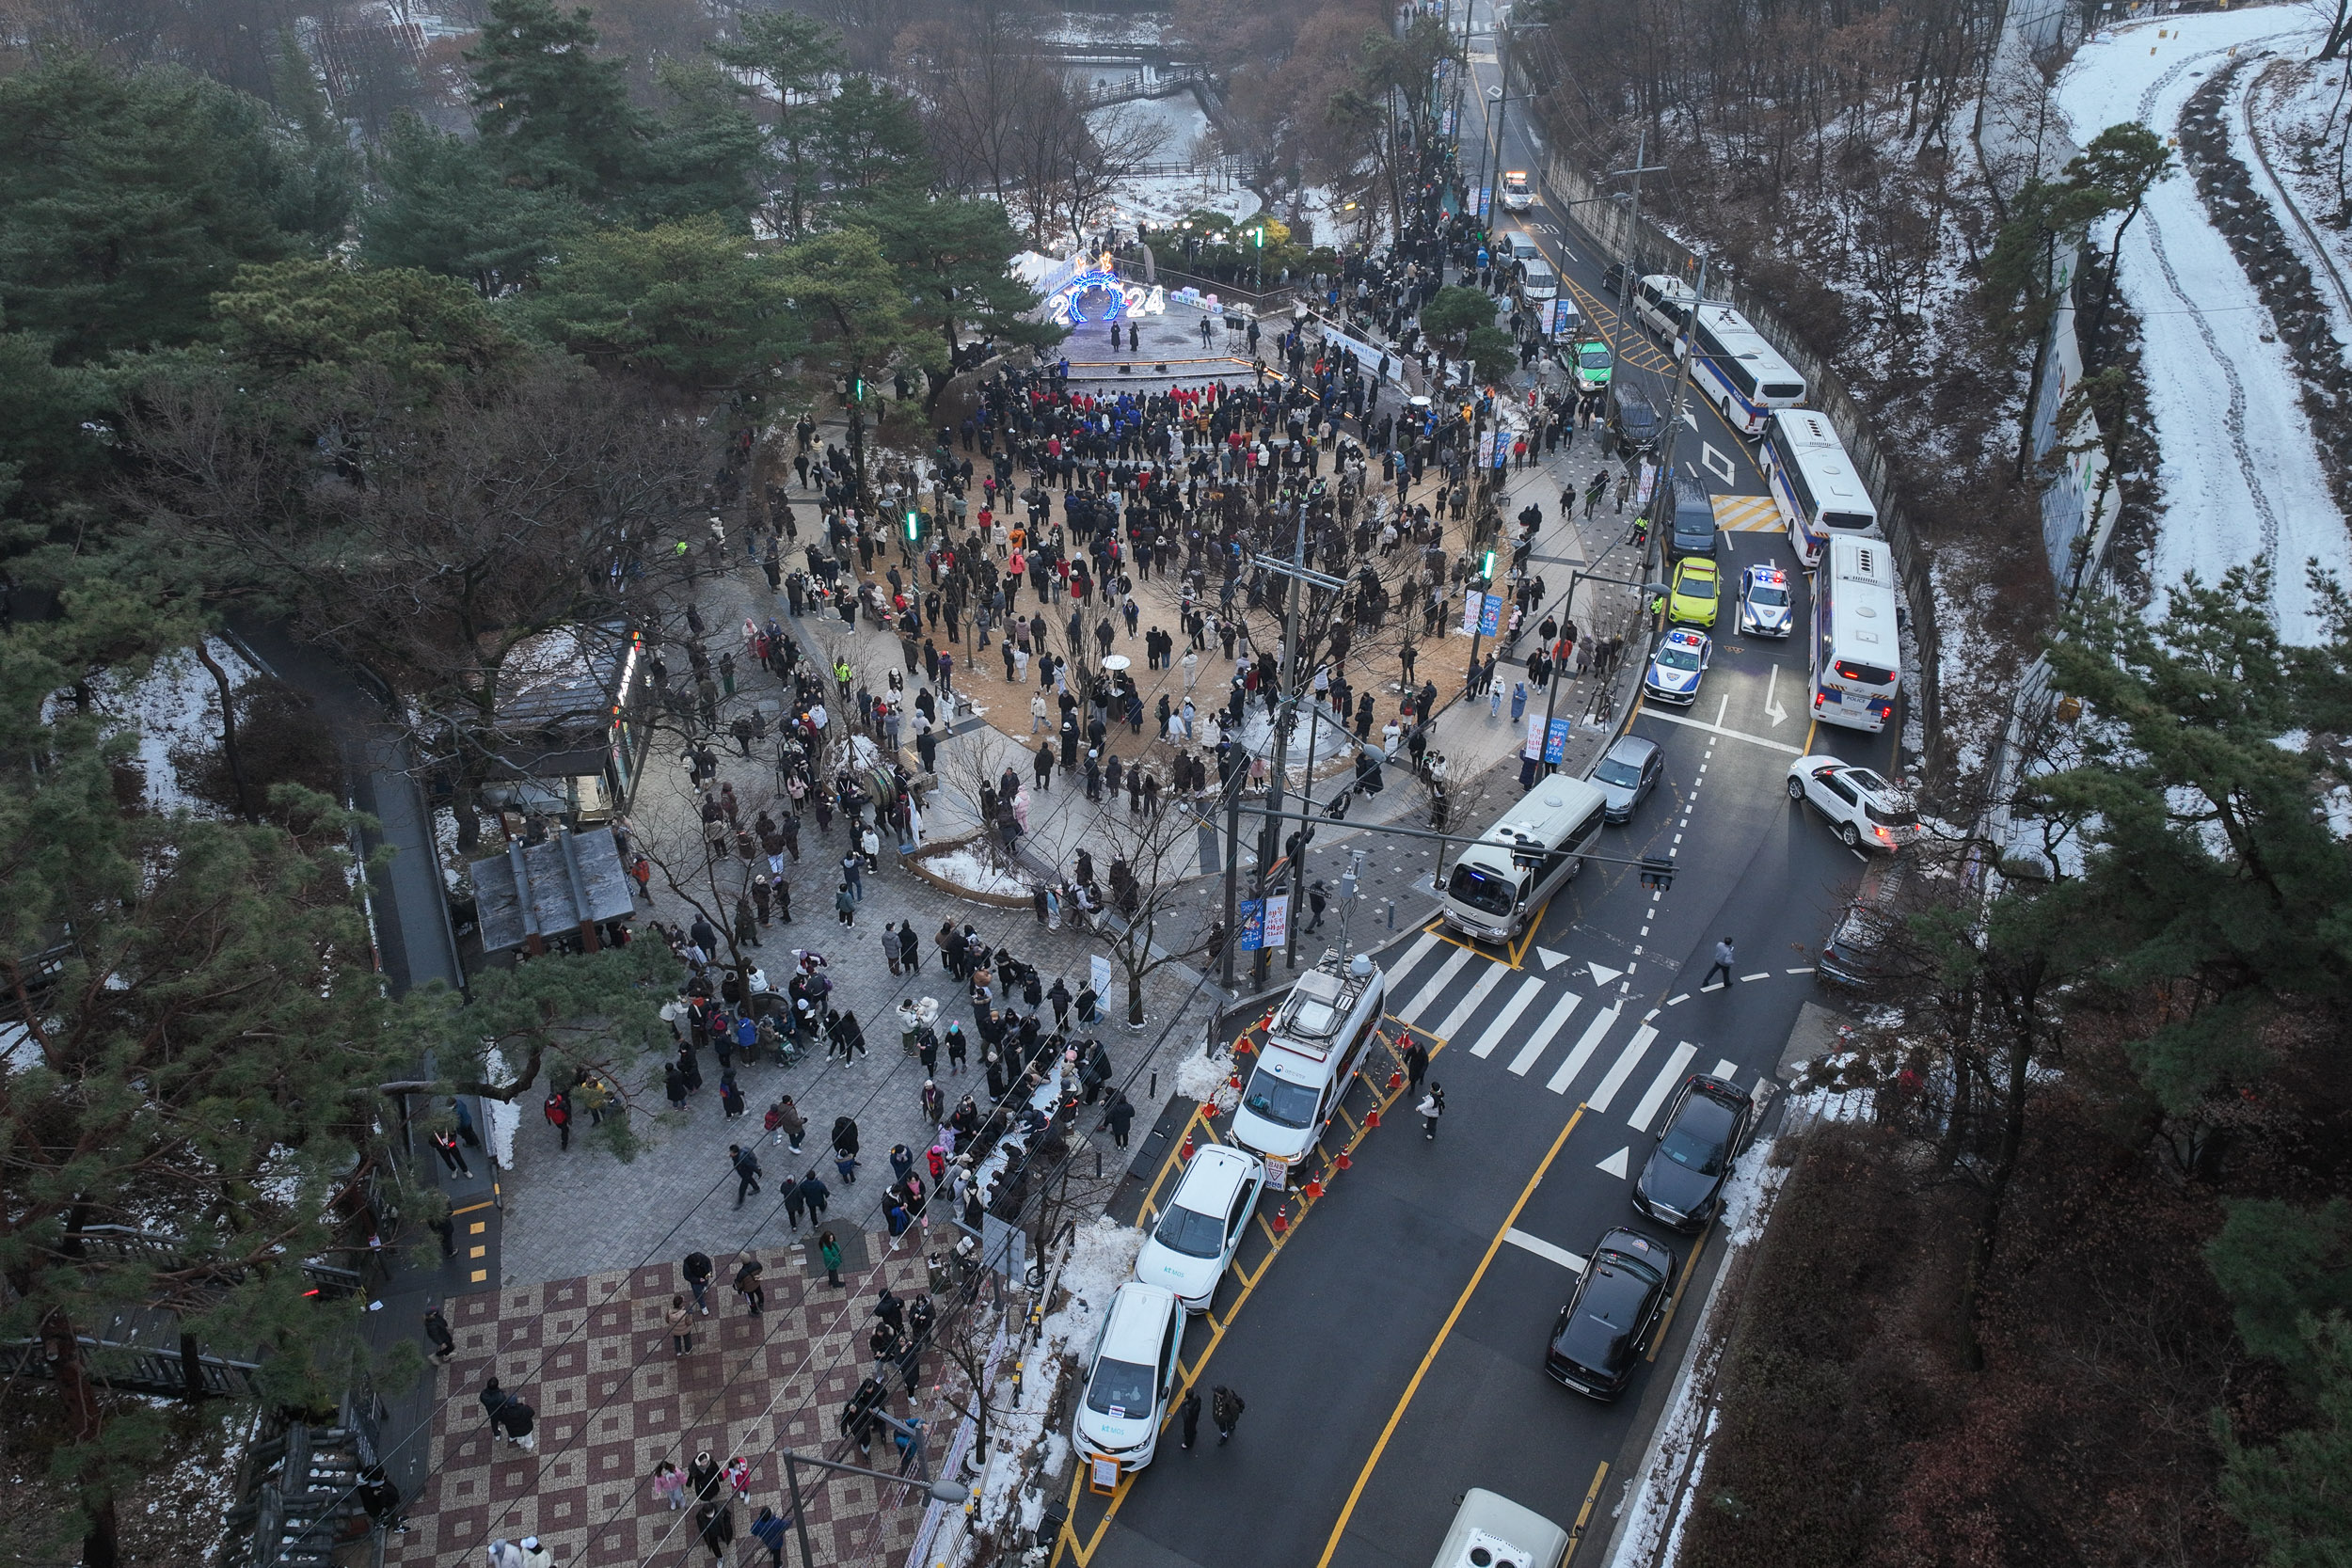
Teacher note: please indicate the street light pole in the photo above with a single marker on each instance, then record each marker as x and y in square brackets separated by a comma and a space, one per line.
[939, 1491]
[1633, 227]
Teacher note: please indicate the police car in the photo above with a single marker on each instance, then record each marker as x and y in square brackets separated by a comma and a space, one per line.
[1764, 602]
[1517, 197]
[1675, 666]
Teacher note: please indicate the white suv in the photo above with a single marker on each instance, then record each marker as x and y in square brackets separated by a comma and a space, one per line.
[1130, 1376]
[1866, 809]
[1202, 1228]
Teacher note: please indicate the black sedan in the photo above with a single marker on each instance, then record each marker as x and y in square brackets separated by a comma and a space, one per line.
[1706, 1125]
[1607, 1322]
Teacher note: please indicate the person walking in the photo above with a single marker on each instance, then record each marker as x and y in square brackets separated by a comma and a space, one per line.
[558, 1110]
[1317, 897]
[1416, 1065]
[451, 1156]
[1721, 966]
[746, 1165]
[381, 1498]
[698, 1272]
[829, 1254]
[1225, 1409]
[1432, 1106]
[715, 1524]
[680, 1322]
[843, 906]
[1119, 1116]
[436, 1333]
[515, 1421]
[749, 1286]
[816, 1194]
[1191, 1413]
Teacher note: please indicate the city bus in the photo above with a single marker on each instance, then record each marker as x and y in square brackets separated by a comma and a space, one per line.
[1815, 485]
[1857, 644]
[1738, 371]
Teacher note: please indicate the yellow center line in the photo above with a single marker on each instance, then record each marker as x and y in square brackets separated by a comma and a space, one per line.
[1429, 1356]
[1584, 1514]
[1682, 1284]
[1082, 1552]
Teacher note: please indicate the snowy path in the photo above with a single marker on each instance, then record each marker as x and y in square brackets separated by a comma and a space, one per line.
[2240, 475]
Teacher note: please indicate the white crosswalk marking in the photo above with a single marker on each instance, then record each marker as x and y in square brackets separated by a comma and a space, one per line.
[1594, 1032]
[1406, 965]
[1528, 991]
[1470, 1004]
[1412, 1010]
[1540, 1041]
[1662, 1085]
[1727, 1068]
[1622, 1069]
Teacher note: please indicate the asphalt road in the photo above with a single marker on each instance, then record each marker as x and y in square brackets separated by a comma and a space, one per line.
[1391, 1350]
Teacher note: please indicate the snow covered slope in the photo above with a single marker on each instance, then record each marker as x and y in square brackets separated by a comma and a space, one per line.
[2240, 476]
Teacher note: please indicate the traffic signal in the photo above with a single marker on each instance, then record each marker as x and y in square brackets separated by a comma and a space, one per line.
[1486, 567]
[857, 390]
[914, 526]
[1657, 872]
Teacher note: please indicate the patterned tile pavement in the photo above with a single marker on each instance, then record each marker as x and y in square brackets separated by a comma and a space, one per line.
[592, 1355]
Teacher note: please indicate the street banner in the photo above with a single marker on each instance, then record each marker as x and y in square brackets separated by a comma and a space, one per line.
[1645, 483]
[1473, 606]
[1556, 743]
[1534, 747]
[1099, 971]
[1278, 921]
[1490, 615]
[1253, 925]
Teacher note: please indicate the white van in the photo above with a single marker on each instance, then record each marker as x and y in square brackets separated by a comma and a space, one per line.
[1663, 303]
[1490, 1530]
[1539, 282]
[1130, 1376]
[1313, 1049]
[1502, 883]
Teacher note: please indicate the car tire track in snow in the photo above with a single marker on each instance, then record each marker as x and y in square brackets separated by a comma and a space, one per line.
[2236, 419]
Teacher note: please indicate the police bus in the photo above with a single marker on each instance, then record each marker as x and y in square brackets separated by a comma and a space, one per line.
[1815, 485]
[1857, 648]
[1741, 373]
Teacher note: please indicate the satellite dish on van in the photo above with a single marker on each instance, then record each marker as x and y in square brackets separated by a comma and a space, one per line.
[1360, 966]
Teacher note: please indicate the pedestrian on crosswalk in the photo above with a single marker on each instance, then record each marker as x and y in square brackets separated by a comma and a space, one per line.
[1432, 1106]
[1721, 966]
[1416, 1063]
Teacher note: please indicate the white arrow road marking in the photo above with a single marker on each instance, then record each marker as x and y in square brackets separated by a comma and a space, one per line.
[1717, 463]
[1617, 1165]
[1602, 973]
[1773, 707]
[1544, 1249]
[1551, 960]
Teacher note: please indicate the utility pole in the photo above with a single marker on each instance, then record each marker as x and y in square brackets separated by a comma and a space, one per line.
[1633, 226]
[1285, 711]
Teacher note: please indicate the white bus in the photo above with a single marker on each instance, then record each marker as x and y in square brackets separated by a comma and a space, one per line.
[1741, 373]
[1500, 884]
[1818, 490]
[1857, 647]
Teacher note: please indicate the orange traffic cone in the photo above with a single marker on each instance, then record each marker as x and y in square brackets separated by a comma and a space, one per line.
[1343, 1160]
[1186, 1152]
[1283, 1218]
[1396, 1081]
[1313, 1190]
[1372, 1120]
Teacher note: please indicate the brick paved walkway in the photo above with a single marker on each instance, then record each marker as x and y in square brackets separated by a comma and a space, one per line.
[591, 1357]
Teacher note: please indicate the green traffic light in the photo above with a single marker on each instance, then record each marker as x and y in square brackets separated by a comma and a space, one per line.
[1486, 568]
[914, 525]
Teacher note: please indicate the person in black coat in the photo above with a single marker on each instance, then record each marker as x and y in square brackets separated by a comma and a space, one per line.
[1119, 1115]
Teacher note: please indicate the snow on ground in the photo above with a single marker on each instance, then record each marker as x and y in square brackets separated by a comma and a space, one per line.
[503, 1119]
[2240, 475]
[2298, 106]
[970, 872]
[1658, 1503]
[1209, 1080]
[177, 706]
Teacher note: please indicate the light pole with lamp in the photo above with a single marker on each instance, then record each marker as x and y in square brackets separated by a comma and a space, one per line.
[1552, 686]
[938, 1491]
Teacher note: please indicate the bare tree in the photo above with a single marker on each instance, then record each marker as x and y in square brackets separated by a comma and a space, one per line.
[485, 553]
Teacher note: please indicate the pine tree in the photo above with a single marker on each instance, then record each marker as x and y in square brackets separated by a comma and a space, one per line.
[447, 206]
[196, 1038]
[550, 112]
[2295, 1497]
[799, 55]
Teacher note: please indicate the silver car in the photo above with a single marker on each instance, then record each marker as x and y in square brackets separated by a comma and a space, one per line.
[1627, 772]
